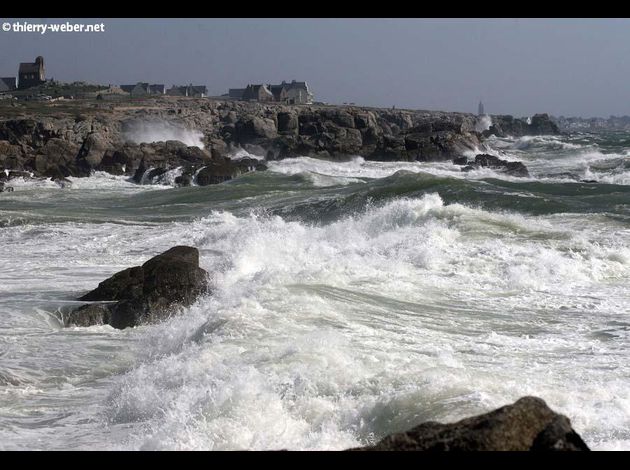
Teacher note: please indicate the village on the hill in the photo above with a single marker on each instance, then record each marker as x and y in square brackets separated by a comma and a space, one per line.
[31, 85]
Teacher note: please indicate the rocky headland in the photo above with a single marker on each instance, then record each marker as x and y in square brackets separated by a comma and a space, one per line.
[144, 139]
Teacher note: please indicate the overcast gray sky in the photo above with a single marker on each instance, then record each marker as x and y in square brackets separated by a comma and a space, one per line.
[571, 67]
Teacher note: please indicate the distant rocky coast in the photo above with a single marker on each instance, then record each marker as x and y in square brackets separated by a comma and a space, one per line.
[74, 138]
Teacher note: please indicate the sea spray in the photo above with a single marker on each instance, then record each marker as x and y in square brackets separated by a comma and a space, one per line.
[483, 123]
[139, 131]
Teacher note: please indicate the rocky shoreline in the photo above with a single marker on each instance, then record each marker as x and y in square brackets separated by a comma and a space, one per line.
[58, 140]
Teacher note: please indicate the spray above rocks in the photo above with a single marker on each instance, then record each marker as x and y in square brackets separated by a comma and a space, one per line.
[139, 132]
[483, 123]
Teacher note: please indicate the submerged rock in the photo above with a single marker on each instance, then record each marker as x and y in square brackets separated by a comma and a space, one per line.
[528, 424]
[144, 294]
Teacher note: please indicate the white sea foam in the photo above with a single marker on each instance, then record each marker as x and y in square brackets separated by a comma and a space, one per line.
[546, 141]
[483, 123]
[99, 180]
[621, 177]
[326, 337]
[240, 153]
[331, 173]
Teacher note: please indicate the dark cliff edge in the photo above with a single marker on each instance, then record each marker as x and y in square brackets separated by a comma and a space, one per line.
[57, 140]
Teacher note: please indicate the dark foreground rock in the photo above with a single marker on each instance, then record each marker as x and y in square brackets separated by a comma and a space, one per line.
[528, 424]
[490, 161]
[144, 294]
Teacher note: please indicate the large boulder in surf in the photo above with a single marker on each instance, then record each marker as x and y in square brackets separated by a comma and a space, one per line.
[527, 424]
[485, 160]
[125, 284]
[144, 294]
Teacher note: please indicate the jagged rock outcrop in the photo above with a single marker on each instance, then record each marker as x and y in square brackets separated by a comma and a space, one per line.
[490, 161]
[144, 294]
[526, 425]
[97, 139]
[503, 126]
[85, 138]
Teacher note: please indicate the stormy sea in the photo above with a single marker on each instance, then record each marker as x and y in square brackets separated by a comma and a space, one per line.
[349, 300]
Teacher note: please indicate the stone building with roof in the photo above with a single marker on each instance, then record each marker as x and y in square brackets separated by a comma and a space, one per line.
[289, 93]
[298, 93]
[192, 91]
[144, 89]
[257, 93]
[280, 93]
[31, 73]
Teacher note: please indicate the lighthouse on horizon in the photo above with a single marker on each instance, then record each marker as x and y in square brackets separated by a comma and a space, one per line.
[480, 110]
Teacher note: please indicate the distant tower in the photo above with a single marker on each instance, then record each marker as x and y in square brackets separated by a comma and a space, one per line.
[480, 111]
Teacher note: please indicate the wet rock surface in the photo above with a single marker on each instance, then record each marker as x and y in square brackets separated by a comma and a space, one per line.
[144, 294]
[526, 425]
[490, 161]
[85, 139]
